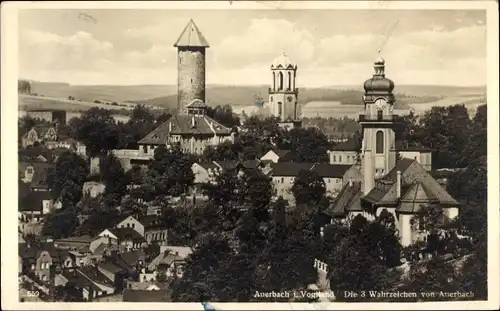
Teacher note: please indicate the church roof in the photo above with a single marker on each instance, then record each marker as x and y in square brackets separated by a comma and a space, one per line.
[191, 36]
[183, 125]
[347, 200]
[418, 188]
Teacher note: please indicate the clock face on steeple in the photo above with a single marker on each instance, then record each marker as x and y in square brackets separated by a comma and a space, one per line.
[290, 98]
[380, 103]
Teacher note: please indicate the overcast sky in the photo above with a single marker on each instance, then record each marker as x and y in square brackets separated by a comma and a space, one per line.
[331, 47]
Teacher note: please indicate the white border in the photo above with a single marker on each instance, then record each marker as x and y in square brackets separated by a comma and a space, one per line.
[9, 285]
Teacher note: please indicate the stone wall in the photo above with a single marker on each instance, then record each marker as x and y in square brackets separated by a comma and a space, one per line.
[190, 76]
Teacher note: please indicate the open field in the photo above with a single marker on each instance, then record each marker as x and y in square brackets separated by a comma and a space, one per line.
[117, 93]
[337, 101]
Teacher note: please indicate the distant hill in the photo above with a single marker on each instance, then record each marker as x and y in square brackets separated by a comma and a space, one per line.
[91, 93]
[239, 97]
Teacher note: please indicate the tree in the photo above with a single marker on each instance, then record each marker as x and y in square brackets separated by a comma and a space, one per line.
[68, 177]
[24, 87]
[113, 176]
[347, 265]
[202, 267]
[308, 187]
[256, 189]
[61, 223]
[99, 220]
[226, 151]
[171, 171]
[224, 115]
[97, 129]
[309, 145]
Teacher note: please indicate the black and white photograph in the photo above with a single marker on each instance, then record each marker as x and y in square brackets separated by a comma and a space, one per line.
[310, 155]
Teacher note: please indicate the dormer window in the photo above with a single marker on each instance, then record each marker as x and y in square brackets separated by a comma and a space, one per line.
[29, 170]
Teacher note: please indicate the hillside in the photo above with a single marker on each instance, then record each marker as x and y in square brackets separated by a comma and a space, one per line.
[419, 97]
[90, 93]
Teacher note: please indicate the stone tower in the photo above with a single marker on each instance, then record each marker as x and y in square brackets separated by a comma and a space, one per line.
[378, 123]
[283, 93]
[191, 47]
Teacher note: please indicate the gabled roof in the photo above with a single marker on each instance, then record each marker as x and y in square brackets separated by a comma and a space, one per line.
[110, 267]
[289, 168]
[347, 200]
[94, 275]
[227, 165]
[183, 125]
[197, 103]
[191, 36]
[151, 221]
[127, 234]
[131, 258]
[33, 201]
[327, 170]
[209, 165]
[413, 178]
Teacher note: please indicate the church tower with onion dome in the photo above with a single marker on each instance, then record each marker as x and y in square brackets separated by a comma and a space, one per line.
[379, 126]
[283, 92]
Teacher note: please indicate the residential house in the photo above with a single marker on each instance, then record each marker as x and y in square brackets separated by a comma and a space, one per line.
[33, 206]
[93, 188]
[193, 130]
[420, 154]
[41, 261]
[279, 155]
[125, 238]
[346, 152]
[336, 176]
[77, 243]
[205, 173]
[133, 223]
[171, 260]
[39, 134]
[89, 280]
[155, 231]
[114, 273]
[283, 176]
[36, 174]
[132, 261]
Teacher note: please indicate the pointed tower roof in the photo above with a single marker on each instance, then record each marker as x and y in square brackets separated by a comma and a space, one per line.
[191, 36]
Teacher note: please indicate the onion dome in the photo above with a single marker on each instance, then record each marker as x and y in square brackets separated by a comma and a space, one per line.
[379, 83]
[284, 62]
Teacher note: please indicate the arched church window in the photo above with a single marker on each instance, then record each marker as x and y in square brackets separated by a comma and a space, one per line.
[280, 108]
[380, 142]
[280, 83]
[380, 115]
[289, 80]
[274, 80]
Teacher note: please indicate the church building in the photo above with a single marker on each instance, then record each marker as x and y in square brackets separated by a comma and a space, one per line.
[191, 128]
[402, 187]
[283, 92]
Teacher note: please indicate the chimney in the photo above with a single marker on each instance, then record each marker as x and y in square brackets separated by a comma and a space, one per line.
[398, 184]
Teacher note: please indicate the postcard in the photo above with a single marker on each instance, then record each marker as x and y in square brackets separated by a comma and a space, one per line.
[234, 155]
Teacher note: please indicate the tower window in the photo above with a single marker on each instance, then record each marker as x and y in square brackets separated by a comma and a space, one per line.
[289, 80]
[380, 115]
[280, 84]
[280, 108]
[274, 81]
[380, 142]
